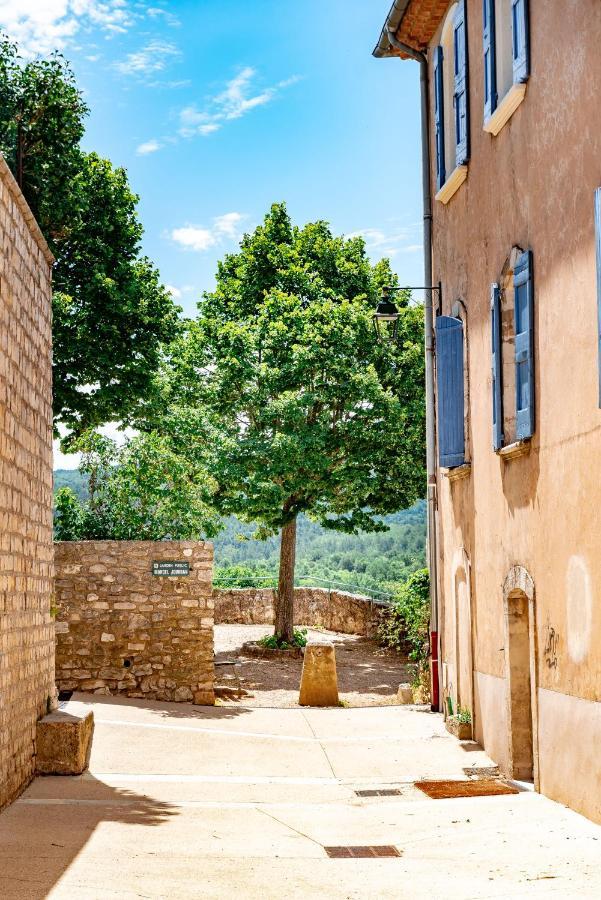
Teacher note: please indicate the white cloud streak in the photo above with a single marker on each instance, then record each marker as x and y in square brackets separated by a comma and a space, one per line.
[148, 147]
[238, 98]
[199, 238]
[150, 59]
[381, 243]
[40, 26]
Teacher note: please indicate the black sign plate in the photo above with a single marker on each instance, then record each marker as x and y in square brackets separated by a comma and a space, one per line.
[171, 568]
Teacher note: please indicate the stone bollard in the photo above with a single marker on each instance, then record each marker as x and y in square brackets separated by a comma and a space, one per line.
[404, 694]
[63, 743]
[319, 684]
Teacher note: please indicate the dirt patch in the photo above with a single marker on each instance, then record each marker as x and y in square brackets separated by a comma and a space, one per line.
[367, 674]
[447, 790]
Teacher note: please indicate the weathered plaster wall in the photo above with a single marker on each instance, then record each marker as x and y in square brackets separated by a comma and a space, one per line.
[532, 186]
[26, 629]
[333, 610]
[122, 630]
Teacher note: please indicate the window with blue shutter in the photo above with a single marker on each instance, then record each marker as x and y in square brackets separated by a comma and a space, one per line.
[439, 117]
[460, 92]
[490, 58]
[520, 40]
[497, 367]
[449, 375]
[523, 299]
[598, 246]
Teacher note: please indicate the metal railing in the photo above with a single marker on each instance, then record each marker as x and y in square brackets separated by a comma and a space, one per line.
[258, 581]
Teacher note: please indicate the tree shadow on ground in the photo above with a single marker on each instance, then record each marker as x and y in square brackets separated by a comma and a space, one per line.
[43, 831]
[367, 674]
[162, 708]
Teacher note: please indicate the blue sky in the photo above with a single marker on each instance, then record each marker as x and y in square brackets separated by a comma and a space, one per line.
[217, 108]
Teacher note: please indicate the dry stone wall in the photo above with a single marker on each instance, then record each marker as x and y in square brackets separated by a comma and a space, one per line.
[334, 610]
[26, 628]
[121, 629]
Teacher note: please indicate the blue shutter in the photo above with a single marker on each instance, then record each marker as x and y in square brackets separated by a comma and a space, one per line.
[497, 368]
[461, 88]
[449, 373]
[523, 299]
[598, 246]
[490, 58]
[439, 118]
[520, 41]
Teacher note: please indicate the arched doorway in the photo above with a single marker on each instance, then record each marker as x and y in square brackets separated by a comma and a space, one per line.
[520, 668]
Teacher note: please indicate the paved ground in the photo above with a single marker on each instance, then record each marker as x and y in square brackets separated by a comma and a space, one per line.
[367, 674]
[185, 802]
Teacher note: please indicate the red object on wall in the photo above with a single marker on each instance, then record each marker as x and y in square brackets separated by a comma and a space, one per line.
[434, 692]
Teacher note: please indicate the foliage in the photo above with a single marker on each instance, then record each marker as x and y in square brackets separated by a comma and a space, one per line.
[111, 315]
[71, 478]
[368, 560]
[140, 491]
[282, 390]
[408, 617]
[274, 642]
[464, 715]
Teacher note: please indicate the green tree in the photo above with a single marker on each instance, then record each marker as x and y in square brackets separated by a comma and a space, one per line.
[141, 491]
[111, 314]
[284, 391]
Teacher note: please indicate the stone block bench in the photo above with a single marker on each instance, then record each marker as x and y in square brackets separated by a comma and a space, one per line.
[63, 743]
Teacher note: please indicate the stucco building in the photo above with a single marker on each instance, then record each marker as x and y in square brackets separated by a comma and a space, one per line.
[512, 115]
[26, 560]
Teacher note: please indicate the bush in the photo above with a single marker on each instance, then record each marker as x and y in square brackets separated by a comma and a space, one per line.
[275, 643]
[407, 619]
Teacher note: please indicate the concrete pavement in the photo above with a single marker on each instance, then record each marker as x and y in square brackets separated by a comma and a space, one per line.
[187, 802]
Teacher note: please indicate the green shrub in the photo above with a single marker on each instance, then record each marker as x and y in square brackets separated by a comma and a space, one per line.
[407, 619]
[274, 643]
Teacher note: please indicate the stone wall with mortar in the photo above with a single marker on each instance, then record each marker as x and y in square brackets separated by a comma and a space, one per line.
[333, 610]
[122, 630]
[26, 628]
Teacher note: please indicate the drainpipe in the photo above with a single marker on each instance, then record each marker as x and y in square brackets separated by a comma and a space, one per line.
[422, 59]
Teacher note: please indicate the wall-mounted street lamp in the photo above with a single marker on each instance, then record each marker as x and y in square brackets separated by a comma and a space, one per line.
[386, 316]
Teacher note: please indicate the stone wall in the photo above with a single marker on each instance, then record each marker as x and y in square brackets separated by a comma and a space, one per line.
[334, 610]
[26, 629]
[123, 630]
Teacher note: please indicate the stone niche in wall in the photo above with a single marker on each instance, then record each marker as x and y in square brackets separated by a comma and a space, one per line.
[135, 618]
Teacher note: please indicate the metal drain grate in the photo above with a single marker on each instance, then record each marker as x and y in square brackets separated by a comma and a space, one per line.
[384, 792]
[376, 851]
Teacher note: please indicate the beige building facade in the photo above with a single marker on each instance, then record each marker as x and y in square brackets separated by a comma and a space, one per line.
[514, 125]
[26, 566]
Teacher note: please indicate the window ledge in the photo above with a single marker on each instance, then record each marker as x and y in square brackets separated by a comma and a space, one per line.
[515, 450]
[457, 473]
[505, 109]
[452, 184]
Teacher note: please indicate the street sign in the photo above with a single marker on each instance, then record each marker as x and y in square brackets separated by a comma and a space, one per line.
[171, 568]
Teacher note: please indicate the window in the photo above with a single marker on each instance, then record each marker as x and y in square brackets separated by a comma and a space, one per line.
[450, 391]
[451, 103]
[506, 49]
[512, 329]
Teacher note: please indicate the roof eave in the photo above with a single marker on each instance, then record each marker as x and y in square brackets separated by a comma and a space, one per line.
[394, 18]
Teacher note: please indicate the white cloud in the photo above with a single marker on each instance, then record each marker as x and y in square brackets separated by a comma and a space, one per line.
[381, 243]
[199, 239]
[148, 147]
[155, 12]
[152, 58]
[40, 26]
[174, 291]
[238, 98]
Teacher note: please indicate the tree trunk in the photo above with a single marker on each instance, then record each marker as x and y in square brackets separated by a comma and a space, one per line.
[284, 602]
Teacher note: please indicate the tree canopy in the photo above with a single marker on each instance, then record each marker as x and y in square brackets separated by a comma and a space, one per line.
[138, 491]
[111, 313]
[281, 388]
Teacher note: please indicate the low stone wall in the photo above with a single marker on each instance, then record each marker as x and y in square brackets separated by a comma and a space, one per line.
[120, 629]
[333, 610]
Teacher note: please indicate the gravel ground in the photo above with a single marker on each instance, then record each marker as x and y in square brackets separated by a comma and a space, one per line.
[367, 674]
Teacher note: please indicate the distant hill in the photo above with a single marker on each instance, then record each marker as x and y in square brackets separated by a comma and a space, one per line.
[366, 560]
[71, 478]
